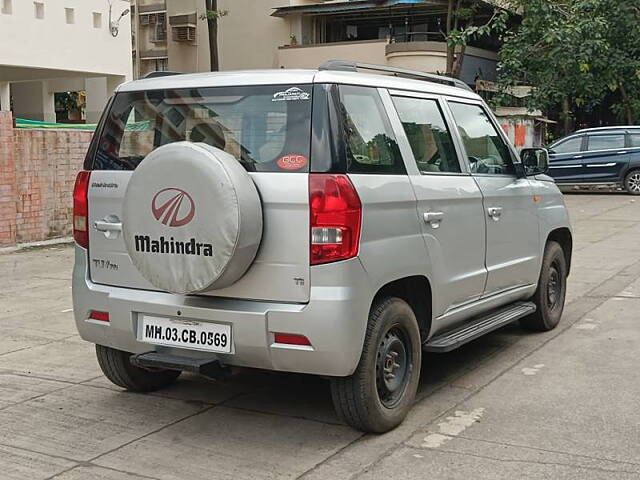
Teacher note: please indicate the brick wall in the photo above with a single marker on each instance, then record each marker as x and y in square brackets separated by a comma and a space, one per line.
[7, 181]
[37, 173]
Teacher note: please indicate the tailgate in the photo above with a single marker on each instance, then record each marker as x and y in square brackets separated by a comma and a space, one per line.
[280, 271]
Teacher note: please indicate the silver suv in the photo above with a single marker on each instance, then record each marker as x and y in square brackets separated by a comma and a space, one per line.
[329, 222]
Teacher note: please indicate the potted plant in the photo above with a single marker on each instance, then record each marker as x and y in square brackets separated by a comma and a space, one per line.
[294, 40]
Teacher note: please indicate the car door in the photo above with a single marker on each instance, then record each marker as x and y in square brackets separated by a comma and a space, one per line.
[606, 157]
[513, 244]
[449, 202]
[566, 160]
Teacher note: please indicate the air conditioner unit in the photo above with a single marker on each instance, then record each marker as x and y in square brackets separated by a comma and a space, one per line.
[183, 34]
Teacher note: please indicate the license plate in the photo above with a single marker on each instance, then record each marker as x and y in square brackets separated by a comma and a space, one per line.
[191, 334]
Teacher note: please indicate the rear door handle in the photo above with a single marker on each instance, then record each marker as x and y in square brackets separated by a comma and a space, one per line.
[434, 218]
[111, 226]
[622, 152]
[102, 226]
[495, 212]
[577, 157]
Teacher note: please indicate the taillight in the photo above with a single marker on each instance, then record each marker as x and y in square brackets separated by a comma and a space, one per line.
[81, 209]
[336, 214]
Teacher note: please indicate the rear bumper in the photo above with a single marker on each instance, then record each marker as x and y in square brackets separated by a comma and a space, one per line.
[334, 320]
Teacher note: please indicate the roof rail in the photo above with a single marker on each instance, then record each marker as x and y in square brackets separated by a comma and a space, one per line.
[159, 74]
[349, 66]
[609, 127]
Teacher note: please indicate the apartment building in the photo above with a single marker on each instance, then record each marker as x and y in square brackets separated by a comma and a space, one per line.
[173, 35]
[49, 46]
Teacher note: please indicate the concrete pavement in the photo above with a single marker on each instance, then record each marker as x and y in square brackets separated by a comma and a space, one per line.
[563, 404]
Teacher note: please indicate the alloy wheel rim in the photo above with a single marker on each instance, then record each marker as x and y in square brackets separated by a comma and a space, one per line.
[393, 366]
[634, 182]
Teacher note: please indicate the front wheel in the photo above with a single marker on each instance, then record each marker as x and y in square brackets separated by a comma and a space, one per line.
[380, 393]
[632, 182]
[551, 292]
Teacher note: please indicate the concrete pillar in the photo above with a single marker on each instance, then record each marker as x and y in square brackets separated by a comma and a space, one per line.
[98, 92]
[113, 82]
[96, 89]
[5, 97]
[48, 103]
[33, 101]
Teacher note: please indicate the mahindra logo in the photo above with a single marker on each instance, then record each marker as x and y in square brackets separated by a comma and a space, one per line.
[173, 207]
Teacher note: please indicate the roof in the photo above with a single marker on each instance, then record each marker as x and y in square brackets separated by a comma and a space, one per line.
[291, 77]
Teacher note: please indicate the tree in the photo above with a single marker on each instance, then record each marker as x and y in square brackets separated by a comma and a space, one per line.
[461, 28]
[212, 15]
[575, 53]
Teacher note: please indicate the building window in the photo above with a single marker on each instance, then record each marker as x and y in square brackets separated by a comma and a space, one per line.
[7, 7]
[70, 16]
[38, 10]
[162, 64]
[158, 33]
[97, 20]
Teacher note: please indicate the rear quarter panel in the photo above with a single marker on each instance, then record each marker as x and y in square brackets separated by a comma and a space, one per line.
[391, 243]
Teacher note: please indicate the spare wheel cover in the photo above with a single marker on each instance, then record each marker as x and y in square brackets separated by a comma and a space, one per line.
[192, 218]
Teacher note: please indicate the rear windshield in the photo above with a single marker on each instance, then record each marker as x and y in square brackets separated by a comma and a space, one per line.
[266, 128]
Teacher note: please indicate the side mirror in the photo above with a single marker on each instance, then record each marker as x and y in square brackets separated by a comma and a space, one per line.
[535, 161]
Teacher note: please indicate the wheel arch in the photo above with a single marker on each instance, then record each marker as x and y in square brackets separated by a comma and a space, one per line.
[632, 167]
[564, 237]
[416, 291]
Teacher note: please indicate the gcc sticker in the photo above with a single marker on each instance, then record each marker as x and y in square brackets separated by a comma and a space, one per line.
[292, 162]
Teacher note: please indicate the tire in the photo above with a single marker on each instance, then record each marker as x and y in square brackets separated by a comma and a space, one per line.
[632, 182]
[116, 367]
[551, 292]
[366, 400]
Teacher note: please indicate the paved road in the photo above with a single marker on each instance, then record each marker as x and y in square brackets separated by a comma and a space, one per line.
[564, 404]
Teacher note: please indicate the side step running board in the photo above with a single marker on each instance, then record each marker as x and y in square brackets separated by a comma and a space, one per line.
[480, 326]
[208, 367]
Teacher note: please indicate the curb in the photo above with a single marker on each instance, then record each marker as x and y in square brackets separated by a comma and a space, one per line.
[32, 245]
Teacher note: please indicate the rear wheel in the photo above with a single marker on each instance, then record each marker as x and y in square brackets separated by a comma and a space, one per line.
[380, 393]
[632, 182]
[117, 368]
[552, 289]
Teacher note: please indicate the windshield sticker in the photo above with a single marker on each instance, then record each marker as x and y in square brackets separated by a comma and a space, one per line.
[292, 162]
[292, 94]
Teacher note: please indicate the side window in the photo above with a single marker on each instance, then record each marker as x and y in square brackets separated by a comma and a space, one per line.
[371, 145]
[487, 151]
[428, 135]
[635, 140]
[605, 142]
[573, 145]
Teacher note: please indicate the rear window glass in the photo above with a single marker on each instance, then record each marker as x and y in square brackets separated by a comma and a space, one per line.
[371, 145]
[605, 142]
[266, 128]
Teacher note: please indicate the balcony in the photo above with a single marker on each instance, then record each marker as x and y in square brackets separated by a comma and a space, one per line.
[313, 55]
[431, 56]
[425, 56]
